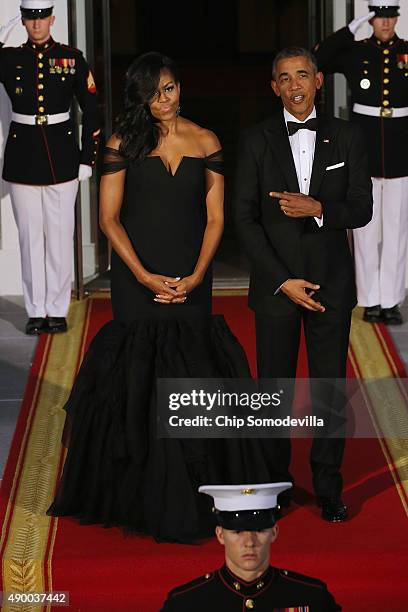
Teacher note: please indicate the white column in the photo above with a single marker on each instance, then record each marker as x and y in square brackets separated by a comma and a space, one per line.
[340, 83]
[10, 273]
[88, 247]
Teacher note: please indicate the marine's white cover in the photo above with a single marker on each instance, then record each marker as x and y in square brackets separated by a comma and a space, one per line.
[234, 498]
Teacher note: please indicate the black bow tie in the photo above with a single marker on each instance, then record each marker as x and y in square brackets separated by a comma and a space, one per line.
[293, 126]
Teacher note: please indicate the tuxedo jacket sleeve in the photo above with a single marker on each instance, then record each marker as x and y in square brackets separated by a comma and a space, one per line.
[355, 210]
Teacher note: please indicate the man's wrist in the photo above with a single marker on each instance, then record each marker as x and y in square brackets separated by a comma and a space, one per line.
[318, 210]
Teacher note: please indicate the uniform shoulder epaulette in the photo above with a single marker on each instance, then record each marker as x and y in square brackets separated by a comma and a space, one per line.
[194, 584]
[308, 580]
[11, 49]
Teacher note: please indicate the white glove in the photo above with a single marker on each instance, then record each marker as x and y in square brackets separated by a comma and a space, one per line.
[85, 172]
[356, 24]
[6, 29]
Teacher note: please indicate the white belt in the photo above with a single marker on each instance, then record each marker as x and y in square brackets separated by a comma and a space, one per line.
[380, 111]
[40, 119]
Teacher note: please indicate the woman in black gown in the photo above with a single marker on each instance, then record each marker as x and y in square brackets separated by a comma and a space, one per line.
[161, 206]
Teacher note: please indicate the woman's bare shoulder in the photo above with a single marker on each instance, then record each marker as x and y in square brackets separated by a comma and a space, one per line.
[114, 142]
[207, 140]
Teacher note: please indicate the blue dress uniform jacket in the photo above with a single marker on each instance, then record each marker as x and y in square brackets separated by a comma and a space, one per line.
[276, 590]
[377, 74]
[41, 81]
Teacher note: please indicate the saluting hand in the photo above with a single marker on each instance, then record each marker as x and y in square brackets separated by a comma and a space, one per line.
[4, 30]
[356, 24]
[297, 204]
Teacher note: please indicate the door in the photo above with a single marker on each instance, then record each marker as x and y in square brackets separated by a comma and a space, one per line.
[225, 51]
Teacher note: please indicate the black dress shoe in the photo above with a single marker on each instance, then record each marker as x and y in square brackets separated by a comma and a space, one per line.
[333, 510]
[36, 326]
[56, 325]
[392, 316]
[372, 314]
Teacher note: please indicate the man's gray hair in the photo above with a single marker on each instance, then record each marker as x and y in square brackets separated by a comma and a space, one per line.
[293, 52]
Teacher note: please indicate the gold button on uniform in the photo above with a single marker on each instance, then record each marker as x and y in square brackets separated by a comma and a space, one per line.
[41, 65]
[386, 51]
[386, 92]
[386, 81]
[40, 98]
[387, 60]
[40, 86]
[40, 76]
[18, 78]
[386, 103]
[41, 109]
[40, 56]
[249, 604]
[386, 70]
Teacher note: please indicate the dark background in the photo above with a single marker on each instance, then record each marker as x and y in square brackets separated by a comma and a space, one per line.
[224, 50]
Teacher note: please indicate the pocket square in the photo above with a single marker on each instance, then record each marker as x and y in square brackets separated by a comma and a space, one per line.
[340, 165]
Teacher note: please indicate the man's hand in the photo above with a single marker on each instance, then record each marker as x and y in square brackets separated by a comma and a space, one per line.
[85, 172]
[295, 289]
[356, 24]
[6, 29]
[297, 204]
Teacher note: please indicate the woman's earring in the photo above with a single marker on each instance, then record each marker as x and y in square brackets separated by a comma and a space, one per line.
[178, 110]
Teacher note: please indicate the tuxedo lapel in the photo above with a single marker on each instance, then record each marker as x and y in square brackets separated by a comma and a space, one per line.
[277, 136]
[325, 138]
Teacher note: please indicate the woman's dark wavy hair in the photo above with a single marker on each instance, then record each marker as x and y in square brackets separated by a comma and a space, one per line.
[136, 126]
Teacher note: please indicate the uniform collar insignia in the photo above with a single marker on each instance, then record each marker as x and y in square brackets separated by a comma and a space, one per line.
[381, 44]
[42, 47]
[243, 588]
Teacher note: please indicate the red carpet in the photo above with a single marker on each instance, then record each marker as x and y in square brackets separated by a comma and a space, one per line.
[363, 561]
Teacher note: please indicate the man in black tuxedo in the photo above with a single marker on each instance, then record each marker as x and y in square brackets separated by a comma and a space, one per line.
[302, 181]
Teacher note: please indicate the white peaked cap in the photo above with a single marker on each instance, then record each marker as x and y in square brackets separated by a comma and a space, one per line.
[37, 4]
[235, 498]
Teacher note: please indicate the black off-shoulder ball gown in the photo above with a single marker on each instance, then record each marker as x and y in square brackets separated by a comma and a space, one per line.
[117, 472]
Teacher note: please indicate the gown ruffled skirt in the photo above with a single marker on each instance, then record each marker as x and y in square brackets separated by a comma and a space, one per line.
[117, 471]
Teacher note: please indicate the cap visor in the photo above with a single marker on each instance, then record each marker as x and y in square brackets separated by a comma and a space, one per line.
[247, 520]
[36, 13]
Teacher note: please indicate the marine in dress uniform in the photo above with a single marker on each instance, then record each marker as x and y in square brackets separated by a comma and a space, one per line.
[251, 512]
[377, 72]
[42, 160]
